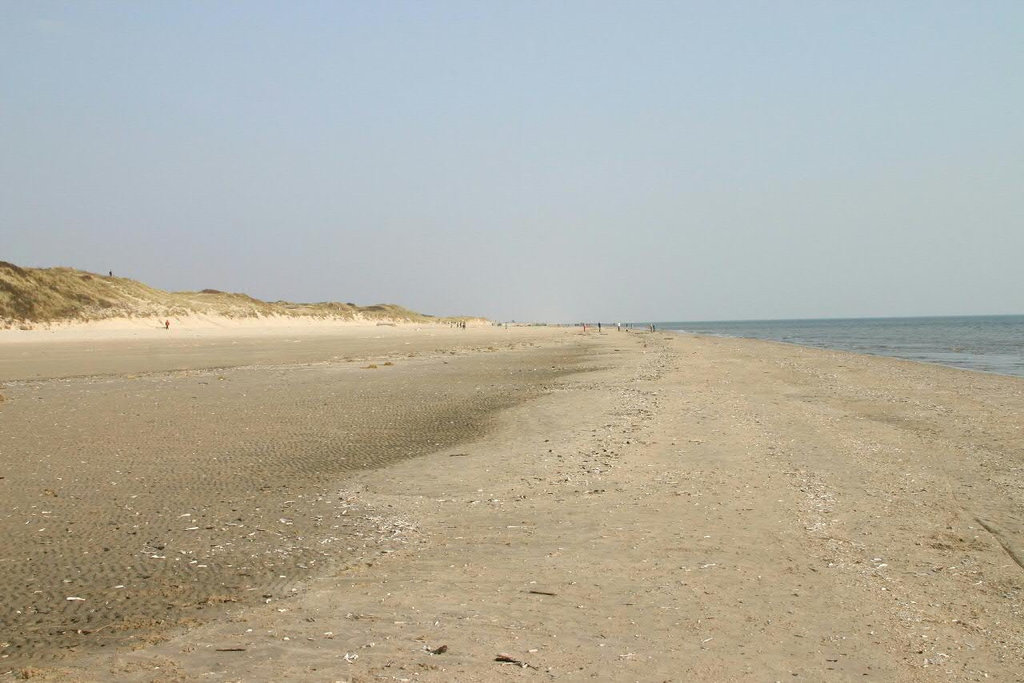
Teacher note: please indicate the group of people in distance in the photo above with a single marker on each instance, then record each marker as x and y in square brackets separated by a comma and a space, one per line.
[618, 327]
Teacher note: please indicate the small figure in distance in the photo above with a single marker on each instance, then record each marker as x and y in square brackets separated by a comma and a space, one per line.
[111, 273]
[167, 324]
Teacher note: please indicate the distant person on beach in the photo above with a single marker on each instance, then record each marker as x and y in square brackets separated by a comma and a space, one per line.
[167, 324]
[111, 273]
[599, 328]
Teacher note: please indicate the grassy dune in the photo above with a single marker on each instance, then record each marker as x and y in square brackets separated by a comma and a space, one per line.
[57, 295]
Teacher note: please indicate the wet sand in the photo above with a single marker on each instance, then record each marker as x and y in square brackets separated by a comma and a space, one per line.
[138, 501]
[621, 506]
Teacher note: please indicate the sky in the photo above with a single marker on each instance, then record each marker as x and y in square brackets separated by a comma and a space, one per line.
[541, 161]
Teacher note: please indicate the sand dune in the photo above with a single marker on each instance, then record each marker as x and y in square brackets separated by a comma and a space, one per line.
[43, 297]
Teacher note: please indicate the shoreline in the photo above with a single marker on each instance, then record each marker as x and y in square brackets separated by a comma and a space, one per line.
[688, 508]
[980, 343]
[869, 354]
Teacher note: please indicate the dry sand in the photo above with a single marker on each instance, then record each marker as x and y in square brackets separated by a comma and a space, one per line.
[625, 506]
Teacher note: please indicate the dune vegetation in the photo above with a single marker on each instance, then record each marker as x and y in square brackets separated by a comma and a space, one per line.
[61, 295]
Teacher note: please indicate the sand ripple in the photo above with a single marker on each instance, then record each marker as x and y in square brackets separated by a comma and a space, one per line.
[136, 504]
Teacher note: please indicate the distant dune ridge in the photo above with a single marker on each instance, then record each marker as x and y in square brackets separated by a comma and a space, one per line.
[66, 295]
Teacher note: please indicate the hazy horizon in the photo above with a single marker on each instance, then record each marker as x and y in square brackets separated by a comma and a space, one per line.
[528, 161]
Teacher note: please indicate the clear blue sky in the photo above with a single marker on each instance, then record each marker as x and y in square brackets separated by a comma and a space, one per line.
[526, 160]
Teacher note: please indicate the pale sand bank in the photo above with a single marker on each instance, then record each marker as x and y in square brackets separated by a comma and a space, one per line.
[132, 346]
[203, 326]
[690, 509]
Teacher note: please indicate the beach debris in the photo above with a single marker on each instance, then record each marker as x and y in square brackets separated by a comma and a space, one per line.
[437, 650]
[351, 657]
[509, 659]
[75, 598]
[541, 593]
[230, 649]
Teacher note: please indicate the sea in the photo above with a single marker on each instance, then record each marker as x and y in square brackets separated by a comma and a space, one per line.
[992, 343]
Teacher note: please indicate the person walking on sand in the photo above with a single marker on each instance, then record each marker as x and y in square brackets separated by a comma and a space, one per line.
[167, 324]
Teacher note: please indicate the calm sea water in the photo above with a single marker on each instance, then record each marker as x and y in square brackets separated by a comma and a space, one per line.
[985, 343]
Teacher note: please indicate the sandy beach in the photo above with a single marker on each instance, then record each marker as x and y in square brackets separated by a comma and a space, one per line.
[426, 503]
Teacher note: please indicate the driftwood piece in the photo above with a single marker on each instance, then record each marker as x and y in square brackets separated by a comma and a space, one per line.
[509, 659]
